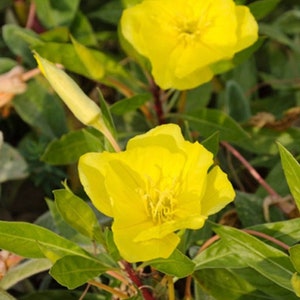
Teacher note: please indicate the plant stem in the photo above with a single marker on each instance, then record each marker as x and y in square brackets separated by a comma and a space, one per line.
[171, 290]
[251, 170]
[155, 90]
[108, 289]
[85, 291]
[251, 232]
[136, 280]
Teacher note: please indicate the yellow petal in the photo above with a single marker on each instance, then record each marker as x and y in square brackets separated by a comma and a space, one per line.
[167, 135]
[92, 173]
[219, 192]
[124, 185]
[161, 231]
[247, 28]
[145, 250]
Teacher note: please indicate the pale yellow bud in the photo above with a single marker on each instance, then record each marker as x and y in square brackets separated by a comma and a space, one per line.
[83, 108]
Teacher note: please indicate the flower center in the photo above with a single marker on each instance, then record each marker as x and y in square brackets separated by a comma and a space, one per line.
[160, 200]
[188, 31]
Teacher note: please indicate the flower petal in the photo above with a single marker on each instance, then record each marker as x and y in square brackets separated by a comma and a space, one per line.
[168, 136]
[133, 251]
[92, 174]
[247, 28]
[219, 192]
[161, 231]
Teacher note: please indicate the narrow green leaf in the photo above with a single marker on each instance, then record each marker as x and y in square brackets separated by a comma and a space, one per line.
[94, 67]
[296, 283]
[291, 170]
[106, 113]
[249, 208]
[42, 111]
[285, 231]
[61, 227]
[78, 214]
[236, 104]
[18, 39]
[271, 291]
[56, 13]
[73, 271]
[212, 143]
[6, 296]
[82, 29]
[72, 145]
[23, 271]
[129, 104]
[295, 257]
[59, 294]
[177, 265]
[218, 255]
[226, 284]
[25, 240]
[262, 8]
[208, 121]
[268, 261]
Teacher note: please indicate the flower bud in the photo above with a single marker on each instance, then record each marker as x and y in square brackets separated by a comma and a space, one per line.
[84, 108]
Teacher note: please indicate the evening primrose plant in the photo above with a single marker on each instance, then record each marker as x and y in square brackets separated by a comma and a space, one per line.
[157, 207]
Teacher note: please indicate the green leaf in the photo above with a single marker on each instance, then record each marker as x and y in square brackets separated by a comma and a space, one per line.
[41, 110]
[236, 104]
[26, 240]
[73, 271]
[60, 294]
[129, 104]
[296, 283]
[177, 265]
[271, 291]
[249, 208]
[218, 255]
[109, 12]
[82, 30]
[291, 170]
[54, 13]
[78, 214]
[18, 39]
[295, 256]
[72, 145]
[61, 227]
[6, 64]
[208, 121]
[268, 261]
[212, 143]
[13, 165]
[94, 67]
[198, 97]
[285, 231]
[6, 296]
[275, 33]
[262, 8]
[23, 271]
[58, 34]
[225, 284]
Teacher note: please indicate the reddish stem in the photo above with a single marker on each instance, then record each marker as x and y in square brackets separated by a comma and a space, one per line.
[136, 280]
[155, 90]
[251, 170]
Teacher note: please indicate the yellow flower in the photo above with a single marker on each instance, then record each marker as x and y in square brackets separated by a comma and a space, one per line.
[158, 185]
[183, 39]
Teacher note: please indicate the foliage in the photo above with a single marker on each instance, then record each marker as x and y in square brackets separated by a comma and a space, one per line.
[56, 244]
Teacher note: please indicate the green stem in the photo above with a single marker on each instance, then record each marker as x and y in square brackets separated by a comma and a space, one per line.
[171, 290]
